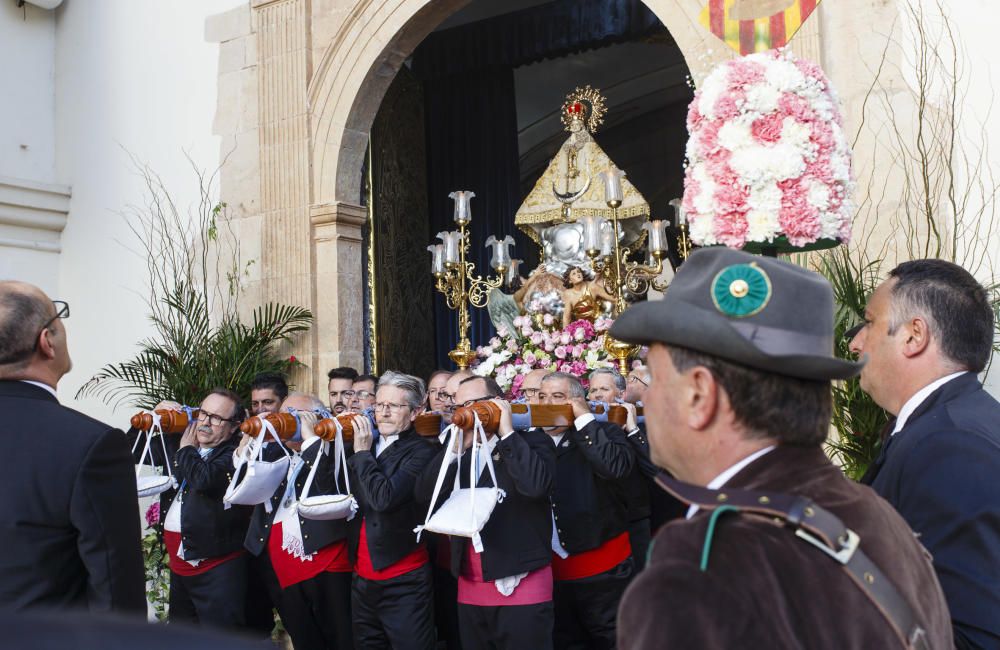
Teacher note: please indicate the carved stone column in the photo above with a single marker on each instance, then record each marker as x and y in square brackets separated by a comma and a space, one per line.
[338, 334]
[286, 274]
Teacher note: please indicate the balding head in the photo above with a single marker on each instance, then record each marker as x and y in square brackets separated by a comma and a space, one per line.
[32, 339]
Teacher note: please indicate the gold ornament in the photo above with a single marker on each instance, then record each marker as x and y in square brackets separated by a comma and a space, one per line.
[583, 107]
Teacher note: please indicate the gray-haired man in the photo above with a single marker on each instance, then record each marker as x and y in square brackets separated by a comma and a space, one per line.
[391, 597]
[607, 385]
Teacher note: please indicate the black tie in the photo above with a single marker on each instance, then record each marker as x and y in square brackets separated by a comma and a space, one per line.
[876, 466]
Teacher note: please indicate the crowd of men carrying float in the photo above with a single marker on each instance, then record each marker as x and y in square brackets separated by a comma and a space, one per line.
[758, 540]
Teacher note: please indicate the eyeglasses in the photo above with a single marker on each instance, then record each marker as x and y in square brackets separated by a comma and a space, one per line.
[363, 394]
[446, 397]
[635, 378]
[62, 311]
[389, 406]
[212, 418]
[530, 392]
[470, 402]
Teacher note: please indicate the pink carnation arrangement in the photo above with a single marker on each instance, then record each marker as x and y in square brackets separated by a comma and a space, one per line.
[153, 514]
[767, 155]
[577, 349]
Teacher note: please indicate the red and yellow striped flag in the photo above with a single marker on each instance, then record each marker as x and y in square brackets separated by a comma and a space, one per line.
[740, 24]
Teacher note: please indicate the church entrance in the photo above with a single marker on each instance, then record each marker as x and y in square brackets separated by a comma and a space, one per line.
[478, 107]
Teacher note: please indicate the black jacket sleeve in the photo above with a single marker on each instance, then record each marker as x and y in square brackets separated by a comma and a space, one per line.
[605, 448]
[640, 446]
[105, 513]
[530, 459]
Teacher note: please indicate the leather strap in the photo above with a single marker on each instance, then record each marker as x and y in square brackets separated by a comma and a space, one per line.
[823, 530]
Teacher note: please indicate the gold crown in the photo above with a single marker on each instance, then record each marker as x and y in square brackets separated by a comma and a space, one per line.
[585, 105]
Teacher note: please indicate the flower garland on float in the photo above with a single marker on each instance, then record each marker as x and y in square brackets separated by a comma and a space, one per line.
[768, 164]
[510, 355]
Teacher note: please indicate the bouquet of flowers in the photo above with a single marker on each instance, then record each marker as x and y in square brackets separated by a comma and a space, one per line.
[155, 560]
[511, 354]
[768, 160]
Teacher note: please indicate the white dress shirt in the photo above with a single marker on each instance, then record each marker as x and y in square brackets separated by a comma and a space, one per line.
[51, 390]
[732, 471]
[384, 442]
[918, 399]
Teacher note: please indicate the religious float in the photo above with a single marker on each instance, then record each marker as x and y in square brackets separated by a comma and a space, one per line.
[768, 170]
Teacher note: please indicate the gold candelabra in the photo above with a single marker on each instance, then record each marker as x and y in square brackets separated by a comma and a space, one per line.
[621, 275]
[456, 278]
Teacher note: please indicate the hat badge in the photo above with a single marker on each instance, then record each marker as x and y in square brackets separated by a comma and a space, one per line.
[741, 290]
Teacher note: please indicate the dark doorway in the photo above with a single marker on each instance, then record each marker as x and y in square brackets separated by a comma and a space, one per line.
[494, 77]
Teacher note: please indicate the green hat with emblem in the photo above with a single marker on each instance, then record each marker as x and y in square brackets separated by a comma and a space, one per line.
[755, 311]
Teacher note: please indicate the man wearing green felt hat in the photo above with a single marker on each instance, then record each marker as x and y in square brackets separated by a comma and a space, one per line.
[779, 549]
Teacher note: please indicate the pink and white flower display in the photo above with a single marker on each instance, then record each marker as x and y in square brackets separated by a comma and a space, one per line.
[767, 155]
[510, 355]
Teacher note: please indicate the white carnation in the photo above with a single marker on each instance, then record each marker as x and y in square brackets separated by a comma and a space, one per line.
[765, 197]
[762, 98]
[702, 231]
[783, 76]
[760, 164]
[735, 135]
[794, 133]
[762, 226]
[818, 195]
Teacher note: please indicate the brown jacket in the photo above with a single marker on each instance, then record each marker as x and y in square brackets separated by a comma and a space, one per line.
[766, 588]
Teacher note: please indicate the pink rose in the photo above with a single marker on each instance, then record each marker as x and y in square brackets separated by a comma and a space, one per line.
[537, 338]
[560, 352]
[530, 358]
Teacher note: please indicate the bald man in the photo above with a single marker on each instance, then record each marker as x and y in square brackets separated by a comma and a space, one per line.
[69, 518]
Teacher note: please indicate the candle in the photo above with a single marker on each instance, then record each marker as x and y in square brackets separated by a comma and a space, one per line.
[451, 241]
[612, 179]
[592, 226]
[463, 213]
[500, 254]
[657, 235]
[513, 271]
[680, 216]
[437, 259]
[607, 243]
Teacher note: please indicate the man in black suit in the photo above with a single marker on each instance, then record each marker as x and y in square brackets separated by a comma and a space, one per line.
[608, 386]
[69, 519]
[504, 591]
[308, 558]
[267, 392]
[391, 598]
[928, 330]
[592, 561]
[204, 538]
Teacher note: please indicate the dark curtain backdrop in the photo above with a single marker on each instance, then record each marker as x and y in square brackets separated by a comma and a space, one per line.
[472, 145]
[471, 120]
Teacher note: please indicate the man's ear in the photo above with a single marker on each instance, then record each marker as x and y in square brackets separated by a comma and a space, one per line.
[917, 337]
[700, 397]
[45, 345]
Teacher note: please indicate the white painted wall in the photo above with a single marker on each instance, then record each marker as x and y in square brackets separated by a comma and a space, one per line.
[81, 86]
[131, 76]
[27, 112]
